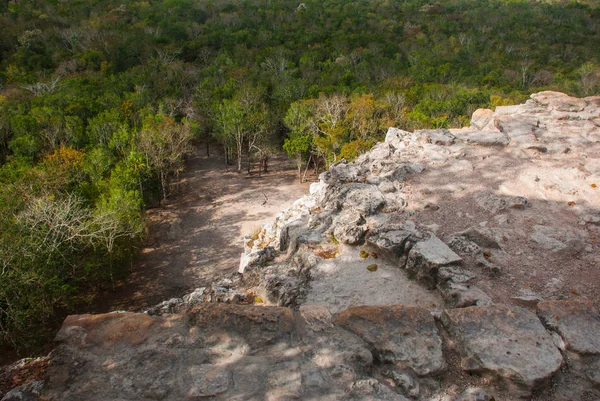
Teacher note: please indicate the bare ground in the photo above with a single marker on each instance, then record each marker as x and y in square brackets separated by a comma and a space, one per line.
[196, 237]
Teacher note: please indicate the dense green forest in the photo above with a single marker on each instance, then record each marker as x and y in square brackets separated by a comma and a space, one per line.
[99, 102]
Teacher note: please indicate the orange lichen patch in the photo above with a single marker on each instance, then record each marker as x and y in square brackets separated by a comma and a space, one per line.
[22, 372]
[571, 203]
[327, 252]
[593, 185]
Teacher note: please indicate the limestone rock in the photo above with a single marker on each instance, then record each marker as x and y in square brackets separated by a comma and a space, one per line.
[436, 136]
[426, 257]
[393, 242]
[386, 187]
[256, 258]
[463, 246]
[406, 382]
[341, 172]
[372, 390]
[208, 381]
[593, 373]
[526, 297]
[457, 295]
[28, 392]
[495, 204]
[402, 335]
[577, 322]
[394, 136]
[349, 228]
[474, 394]
[481, 118]
[330, 347]
[508, 342]
[482, 236]
[484, 138]
[559, 101]
[363, 198]
[554, 239]
[455, 274]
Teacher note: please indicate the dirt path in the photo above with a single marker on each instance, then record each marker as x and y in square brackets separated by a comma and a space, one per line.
[196, 236]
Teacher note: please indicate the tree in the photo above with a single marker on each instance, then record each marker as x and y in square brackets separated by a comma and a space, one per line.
[243, 121]
[164, 142]
[301, 122]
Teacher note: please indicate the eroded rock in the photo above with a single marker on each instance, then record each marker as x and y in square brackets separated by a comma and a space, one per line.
[426, 257]
[509, 343]
[401, 335]
[577, 322]
[349, 228]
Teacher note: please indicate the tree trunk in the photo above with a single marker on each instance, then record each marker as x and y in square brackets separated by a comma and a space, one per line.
[239, 160]
[163, 184]
[299, 164]
[207, 149]
[306, 170]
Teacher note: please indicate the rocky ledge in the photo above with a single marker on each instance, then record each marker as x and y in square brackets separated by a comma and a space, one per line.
[441, 265]
[247, 352]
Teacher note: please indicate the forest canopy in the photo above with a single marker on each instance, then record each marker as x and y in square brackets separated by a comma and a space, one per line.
[99, 101]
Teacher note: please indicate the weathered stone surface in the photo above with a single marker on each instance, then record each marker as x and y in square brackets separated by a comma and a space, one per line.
[426, 257]
[481, 118]
[363, 198]
[495, 204]
[565, 240]
[28, 392]
[474, 394]
[508, 342]
[593, 372]
[436, 136]
[349, 228]
[394, 136]
[402, 335]
[455, 274]
[484, 138]
[256, 258]
[386, 187]
[405, 382]
[482, 236]
[392, 242]
[372, 390]
[577, 322]
[208, 381]
[330, 347]
[457, 295]
[341, 172]
[526, 297]
[559, 101]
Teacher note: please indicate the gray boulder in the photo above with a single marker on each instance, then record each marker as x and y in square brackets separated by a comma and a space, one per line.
[394, 136]
[577, 322]
[364, 198]
[459, 295]
[481, 118]
[510, 343]
[426, 257]
[392, 242]
[349, 228]
[402, 335]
